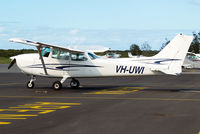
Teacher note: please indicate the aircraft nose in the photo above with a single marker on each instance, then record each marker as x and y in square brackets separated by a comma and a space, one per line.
[23, 61]
[13, 57]
[13, 61]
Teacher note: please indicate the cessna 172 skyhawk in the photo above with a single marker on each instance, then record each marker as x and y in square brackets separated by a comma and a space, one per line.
[55, 61]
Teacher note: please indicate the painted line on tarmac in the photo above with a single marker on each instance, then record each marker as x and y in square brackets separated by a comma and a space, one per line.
[5, 123]
[117, 90]
[31, 110]
[16, 116]
[106, 98]
[7, 84]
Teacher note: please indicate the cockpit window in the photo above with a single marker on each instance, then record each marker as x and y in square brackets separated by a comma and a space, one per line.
[46, 51]
[78, 57]
[92, 56]
[60, 54]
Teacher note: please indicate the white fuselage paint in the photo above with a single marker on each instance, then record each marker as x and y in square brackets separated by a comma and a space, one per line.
[31, 64]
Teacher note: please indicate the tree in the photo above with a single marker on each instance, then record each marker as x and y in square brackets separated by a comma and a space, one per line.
[146, 49]
[145, 46]
[135, 49]
[195, 43]
[165, 44]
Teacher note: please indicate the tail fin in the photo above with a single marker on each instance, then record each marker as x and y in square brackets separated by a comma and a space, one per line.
[130, 55]
[174, 54]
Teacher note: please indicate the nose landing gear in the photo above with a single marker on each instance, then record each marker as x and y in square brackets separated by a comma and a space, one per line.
[31, 84]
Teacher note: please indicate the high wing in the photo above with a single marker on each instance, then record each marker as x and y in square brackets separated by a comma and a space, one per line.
[39, 45]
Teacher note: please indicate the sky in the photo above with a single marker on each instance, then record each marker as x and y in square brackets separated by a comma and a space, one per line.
[83, 24]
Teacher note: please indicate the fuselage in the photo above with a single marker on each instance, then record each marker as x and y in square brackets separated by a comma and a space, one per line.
[84, 67]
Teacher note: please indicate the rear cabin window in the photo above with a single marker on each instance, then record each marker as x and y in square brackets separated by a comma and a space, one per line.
[78, 57]
[60, 54]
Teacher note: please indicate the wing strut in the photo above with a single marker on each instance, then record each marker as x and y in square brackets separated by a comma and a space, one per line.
[42, 60]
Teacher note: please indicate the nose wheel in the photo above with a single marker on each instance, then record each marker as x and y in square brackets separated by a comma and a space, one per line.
[31, 84]
[74, 83]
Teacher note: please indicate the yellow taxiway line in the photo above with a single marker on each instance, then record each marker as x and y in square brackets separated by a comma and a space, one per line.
[105, 98]
[37, 107]
[121, 90]
[5, 123]
[8, 84]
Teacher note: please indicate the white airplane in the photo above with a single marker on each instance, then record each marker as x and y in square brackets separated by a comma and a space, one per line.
[112, 55]
[55, 61]
[137, 56]
[192, 60]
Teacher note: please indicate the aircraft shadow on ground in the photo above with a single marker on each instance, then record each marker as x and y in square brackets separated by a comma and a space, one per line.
[87, 89]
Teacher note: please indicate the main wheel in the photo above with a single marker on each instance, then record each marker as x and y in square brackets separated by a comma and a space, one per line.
[74, 83]
[30, 84]
[57, 85]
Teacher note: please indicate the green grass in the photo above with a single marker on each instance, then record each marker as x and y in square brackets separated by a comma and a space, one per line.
[4, 60]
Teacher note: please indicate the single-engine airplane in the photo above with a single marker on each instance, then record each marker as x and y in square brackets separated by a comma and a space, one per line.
[64, 63]
[192, 60]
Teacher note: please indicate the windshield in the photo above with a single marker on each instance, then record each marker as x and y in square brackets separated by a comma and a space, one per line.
[92, 56]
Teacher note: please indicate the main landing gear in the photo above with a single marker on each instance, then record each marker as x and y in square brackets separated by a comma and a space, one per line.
[57, 85]
[74, 83]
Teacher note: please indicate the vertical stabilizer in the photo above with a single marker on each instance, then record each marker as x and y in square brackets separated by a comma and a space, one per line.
[174, 53]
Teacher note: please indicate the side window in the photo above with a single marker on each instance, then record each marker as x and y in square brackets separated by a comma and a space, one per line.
[60, 54]
[55, 53]
[46, 51]
[78, 57]
[64, 55]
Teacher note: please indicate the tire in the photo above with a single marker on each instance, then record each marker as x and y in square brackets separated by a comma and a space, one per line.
[30, 84]
[57, 85]
[74, 83]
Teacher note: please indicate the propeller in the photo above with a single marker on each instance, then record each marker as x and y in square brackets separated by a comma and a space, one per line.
[12, 63]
